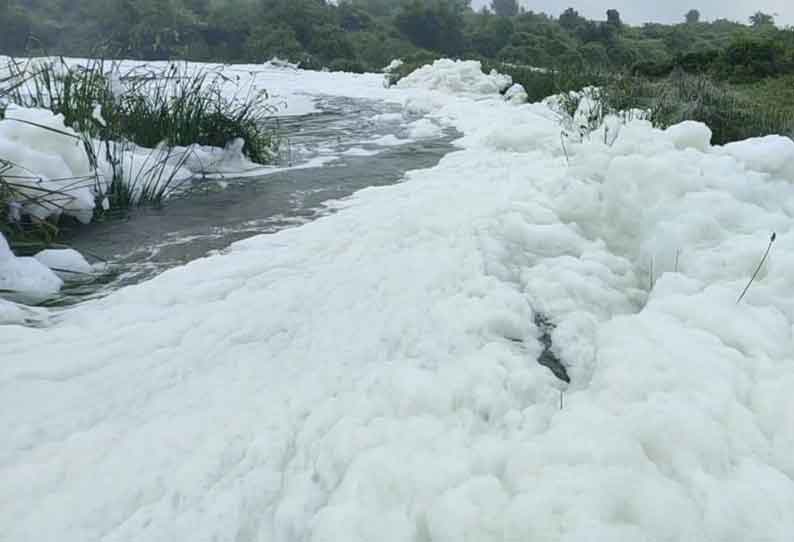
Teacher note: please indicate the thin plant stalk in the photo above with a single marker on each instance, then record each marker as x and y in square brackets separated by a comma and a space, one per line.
[758, 269]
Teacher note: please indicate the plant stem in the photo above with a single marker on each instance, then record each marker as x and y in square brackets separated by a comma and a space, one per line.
[757, 269]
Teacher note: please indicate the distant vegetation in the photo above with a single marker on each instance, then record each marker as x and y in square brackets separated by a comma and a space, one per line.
[746, 66]
[738, 77]
[366, 34]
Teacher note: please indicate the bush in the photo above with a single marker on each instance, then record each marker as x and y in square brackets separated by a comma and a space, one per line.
[698, 62]
[265, 43]
[542, 83]
[351, 66]
[753, 59]
[731, 114]
[652, 69]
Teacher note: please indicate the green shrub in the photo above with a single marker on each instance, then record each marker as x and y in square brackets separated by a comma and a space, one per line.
[731, 114]
[351, 66]
[541, 83]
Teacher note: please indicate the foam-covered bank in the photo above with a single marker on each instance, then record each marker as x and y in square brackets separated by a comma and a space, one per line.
[372, 375]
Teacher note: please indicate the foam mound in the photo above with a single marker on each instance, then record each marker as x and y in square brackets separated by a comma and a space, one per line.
[374, 375]
[25, 279]
[456, 77]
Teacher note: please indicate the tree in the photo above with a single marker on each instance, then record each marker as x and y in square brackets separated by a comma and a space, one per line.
[594, 54]
[752, 59]
[761, 19]
[147, 29]
[613, 18]
[329, 42]
[621, 53]
[570, 19]
[199, 7]
[303, 16]
[265, 42]
[505, 8]
[379, 8]
[609, 32]
[588, 31]
[353, 19]
[692, 16]
[491, 36]
[433, 24]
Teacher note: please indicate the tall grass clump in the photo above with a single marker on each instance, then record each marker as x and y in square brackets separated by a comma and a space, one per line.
[183, 107]
[138, 180]
[138, 128]
[177, 105]
[74, 92]
[19, 191]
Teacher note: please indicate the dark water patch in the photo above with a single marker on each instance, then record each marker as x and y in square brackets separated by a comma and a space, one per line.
[548, 358]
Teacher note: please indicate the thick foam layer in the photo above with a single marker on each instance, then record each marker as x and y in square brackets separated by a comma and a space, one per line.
[372, 375]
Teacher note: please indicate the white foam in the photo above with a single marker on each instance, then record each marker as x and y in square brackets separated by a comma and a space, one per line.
[67, 263]
[389, 140]
[372, 375]
[358, 151]
[24, 279]
[423, 129]
[456, 76]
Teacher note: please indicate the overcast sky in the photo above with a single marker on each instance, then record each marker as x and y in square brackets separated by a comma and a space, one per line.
[640, 11]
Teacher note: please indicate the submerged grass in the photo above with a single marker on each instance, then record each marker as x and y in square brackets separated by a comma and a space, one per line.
[24, 199]
[151, 182]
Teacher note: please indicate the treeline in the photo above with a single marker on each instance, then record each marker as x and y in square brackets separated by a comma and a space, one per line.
[365, 34]
[312, 32]
[747, 58]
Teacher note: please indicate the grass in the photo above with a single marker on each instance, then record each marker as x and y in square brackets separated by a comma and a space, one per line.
[24, 199]
[542, 83]
[732, 112]
[183, 107]
[136, 184]
[147, 106]
[71, 92]
[21, 232]
[115, 114]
